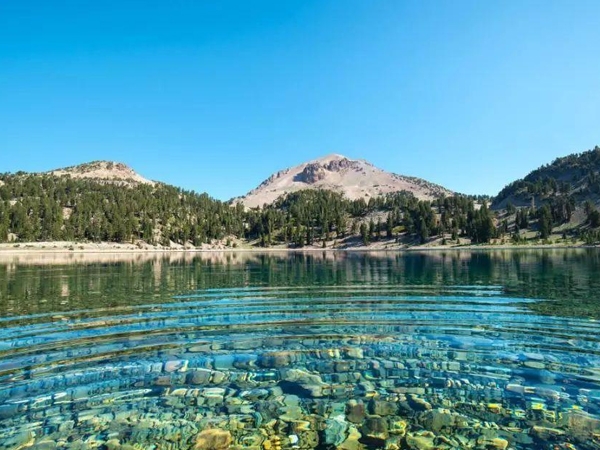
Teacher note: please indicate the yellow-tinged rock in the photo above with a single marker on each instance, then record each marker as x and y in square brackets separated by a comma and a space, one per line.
[213, 439]
[351, 442]
[399, 427]
[498, 444]
[496, 408]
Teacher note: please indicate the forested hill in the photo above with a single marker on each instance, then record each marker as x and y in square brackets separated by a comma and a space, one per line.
[50, 207]
[576, 176]
[47, 207]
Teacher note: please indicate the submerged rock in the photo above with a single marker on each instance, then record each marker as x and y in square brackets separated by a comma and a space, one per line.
[213, 439]
[420, 441]
[375, 431]
[352, 441]
[355, 411]
[335, 430]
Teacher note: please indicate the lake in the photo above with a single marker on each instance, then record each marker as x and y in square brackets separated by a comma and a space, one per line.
[415, 350]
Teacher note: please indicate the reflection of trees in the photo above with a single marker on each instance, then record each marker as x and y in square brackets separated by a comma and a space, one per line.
[61, 282]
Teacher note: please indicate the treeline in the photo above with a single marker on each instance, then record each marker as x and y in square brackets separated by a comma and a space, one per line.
[554, 213]
[52, 208]
[576, 174]
[310, 217]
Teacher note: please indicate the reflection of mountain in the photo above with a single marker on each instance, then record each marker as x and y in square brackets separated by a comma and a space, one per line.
[569, 277]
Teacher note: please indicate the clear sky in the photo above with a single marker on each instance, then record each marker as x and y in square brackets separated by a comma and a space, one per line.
[216, 95]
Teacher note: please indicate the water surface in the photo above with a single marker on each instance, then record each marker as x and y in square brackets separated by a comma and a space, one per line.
[329, 350]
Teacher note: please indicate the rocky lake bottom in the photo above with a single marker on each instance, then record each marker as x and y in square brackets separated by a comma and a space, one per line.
[335, 351]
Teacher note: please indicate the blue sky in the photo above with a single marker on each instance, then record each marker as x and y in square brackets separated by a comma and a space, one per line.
[216, 95]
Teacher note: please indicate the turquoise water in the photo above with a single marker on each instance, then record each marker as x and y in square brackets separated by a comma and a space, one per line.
[483, 350]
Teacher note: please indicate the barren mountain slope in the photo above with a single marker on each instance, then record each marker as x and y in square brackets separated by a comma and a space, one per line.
[104, 171]
[354, 178]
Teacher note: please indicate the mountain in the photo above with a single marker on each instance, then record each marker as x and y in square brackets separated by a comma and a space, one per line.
[576, 176]
[109, 202]
[353, 178]
[103, 172]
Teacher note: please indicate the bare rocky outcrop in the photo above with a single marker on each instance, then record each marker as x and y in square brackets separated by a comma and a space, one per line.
[354, 178]
[104, 172]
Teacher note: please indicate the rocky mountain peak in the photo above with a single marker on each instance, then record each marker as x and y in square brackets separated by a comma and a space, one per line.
[103, 171]
[354, 178]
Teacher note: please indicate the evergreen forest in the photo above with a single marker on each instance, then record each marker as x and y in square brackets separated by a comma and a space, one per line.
[52, 208]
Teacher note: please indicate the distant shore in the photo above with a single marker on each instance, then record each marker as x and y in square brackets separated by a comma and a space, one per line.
[112, 247]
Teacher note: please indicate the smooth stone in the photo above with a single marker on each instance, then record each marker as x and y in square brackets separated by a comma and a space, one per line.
[200, 376]
[8, 411]
[420, 441]
[224, 362]
[516, 388]
[19, 440]
[213, 439]
[438, 419]
[274, 360]
[113, 444]
[534, 364]
[419, 404]
[352, 441]
[399, 427]
[497, 444]
[355, 411]
[375, 430]
[545, 433]
[355, 352]
[218, 377]
[335, 430]
[382, 407]
[177, 365]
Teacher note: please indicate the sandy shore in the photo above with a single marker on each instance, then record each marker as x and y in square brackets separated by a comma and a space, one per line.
[382, 245]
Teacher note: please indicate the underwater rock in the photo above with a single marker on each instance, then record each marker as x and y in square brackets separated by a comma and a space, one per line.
[382, 407]
[176, 366]
[113, 444]
[335, 430]
[213, 439]
[418, 404]
[352, 441]
[582, 426]
[200, 376]
[43, 445]
[420, 441]
[398, 427]
[19, 440]
[301, 383]
[375, 431]
[496, 444]
[7, 411]
[437, 419]
[224, 362]
[214, 396]
[274, 360]
[355, 411]
[545, 433]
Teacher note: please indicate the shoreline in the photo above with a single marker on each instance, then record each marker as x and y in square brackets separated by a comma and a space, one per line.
[108, 248]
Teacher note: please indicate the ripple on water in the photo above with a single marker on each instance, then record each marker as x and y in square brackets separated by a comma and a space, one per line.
[321, 367]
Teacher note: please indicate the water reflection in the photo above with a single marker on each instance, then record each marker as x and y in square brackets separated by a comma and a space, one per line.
[35, 283]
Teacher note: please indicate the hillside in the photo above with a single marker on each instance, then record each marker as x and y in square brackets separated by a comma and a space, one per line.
[103, 202]
[109, 203]
[353, 178]
[576, 176]
[104, 172]
[555, 203]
